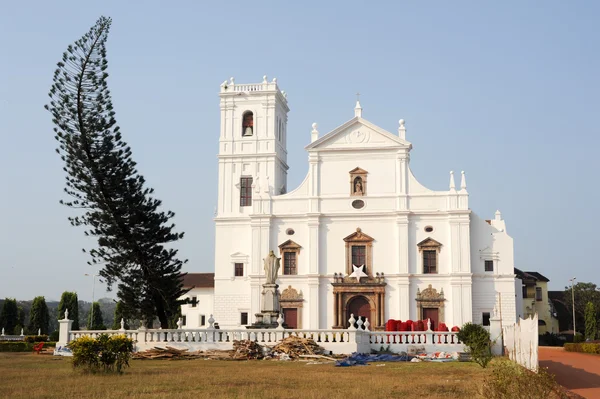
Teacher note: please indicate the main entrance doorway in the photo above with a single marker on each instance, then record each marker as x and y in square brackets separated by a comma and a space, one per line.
[433, 315]
[359, 306]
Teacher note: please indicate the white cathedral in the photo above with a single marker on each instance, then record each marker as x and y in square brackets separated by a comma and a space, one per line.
[359, 235]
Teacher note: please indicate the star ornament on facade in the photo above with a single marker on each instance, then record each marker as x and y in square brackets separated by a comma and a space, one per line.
[359, 271]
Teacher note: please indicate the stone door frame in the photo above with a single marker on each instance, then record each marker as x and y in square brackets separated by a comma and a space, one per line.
[430, 298]
[290, 298]
[374, 292]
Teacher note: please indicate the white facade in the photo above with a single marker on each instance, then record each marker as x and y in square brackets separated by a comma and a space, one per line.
[399, 222]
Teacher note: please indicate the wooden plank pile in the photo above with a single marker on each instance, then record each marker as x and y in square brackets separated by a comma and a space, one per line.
[170, 353]
[246, 349]
[294, 347]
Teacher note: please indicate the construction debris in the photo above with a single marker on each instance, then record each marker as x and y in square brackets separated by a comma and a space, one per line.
[294, 347]
[171, 353]
[246, 349]
[291, 348]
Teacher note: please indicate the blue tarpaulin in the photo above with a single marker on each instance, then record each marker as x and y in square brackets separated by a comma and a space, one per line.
[362, 359]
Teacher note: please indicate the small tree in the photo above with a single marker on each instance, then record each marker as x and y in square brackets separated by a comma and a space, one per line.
[477, 339]
[590, 321]
[69, 301]
[9, 317]
[96, 313]
[120, 313]
[39, 316]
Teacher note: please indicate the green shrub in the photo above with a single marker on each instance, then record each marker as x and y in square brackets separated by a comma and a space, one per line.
[593, 348]
[510, 380]
[54, 336]
[108, 354]
[477, 340]
[36, 338]
[21, 346]
[578, 338]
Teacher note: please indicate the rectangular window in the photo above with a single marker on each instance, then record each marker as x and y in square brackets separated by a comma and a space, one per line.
[489, 265]
[538, 293]
[245, 191]
[486, 319]
[184, 320]
[239, 269]
[430, 262]
[289, 263]
[244, 318]
[359, 255]
[202, 320]
[194, 301]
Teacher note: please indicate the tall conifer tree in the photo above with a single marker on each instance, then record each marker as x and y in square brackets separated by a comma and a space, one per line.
[103, 182]
[120, 313]
[9, 316]
[39, 316]
[95, 320]
[69, 300]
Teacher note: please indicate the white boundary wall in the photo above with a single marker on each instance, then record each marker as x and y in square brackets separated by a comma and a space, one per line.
[337, 341]
[521, 342]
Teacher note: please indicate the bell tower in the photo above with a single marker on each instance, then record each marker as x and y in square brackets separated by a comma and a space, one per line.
[252, 144]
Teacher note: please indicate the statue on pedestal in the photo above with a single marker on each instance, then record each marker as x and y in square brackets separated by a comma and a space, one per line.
[271, 265]
[269, 312]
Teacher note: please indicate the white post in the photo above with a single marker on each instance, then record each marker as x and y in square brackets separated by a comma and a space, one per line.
[496, 333]
[141, 337]
[64, 331]
[210, 335]
[573, 302]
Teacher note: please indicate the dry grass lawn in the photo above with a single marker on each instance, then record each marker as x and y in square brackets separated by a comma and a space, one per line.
[24, 375]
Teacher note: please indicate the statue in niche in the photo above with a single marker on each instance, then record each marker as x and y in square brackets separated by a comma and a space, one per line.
[271, 265]
[358, 186]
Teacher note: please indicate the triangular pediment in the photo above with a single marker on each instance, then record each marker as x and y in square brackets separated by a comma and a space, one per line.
[238, 255]
[429, 242]
[289, 244]
[358, 133]
[358, 171]
[358, 235]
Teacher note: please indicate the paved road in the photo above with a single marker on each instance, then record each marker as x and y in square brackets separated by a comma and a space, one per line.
[578, 372]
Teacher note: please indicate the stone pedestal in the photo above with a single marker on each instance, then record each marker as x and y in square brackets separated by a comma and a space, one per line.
[269, 314]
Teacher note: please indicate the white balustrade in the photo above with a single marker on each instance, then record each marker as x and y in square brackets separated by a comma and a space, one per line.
[348, 340]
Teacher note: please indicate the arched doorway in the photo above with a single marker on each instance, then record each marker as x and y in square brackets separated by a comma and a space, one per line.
[358, 306]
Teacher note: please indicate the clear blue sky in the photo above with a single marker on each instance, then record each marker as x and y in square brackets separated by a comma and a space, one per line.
[507, 91]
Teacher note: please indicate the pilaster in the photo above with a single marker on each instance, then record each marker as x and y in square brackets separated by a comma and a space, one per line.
[313, 304]
[313, 245]
[402, 241]
[404, 299]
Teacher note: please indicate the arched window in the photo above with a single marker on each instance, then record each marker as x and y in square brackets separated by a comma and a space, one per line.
[248, 124]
